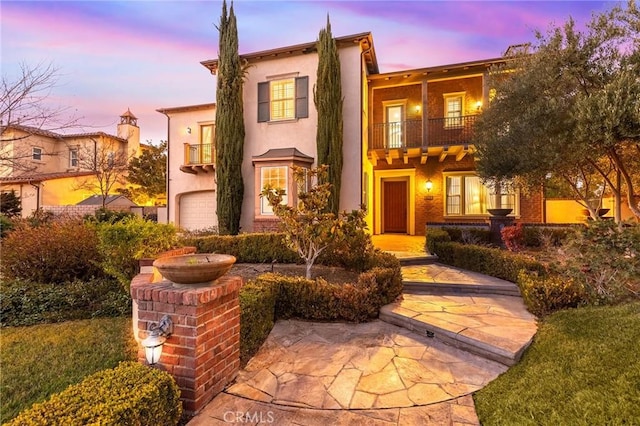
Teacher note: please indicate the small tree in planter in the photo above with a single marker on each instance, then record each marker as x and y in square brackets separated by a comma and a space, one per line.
[308, 230]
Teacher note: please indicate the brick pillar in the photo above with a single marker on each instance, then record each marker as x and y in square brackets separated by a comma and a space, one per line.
[203, 353]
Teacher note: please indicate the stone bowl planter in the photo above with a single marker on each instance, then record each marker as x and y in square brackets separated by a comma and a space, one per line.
[190, 270]
[499, 212]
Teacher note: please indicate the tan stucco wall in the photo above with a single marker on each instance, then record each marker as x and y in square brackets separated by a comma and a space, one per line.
[301, 133]
[570, 211]
[181, 183]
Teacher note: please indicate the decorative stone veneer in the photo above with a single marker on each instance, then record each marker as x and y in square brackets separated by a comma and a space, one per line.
[203, 353]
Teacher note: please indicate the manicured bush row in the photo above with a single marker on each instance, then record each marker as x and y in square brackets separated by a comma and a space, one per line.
[541, 236]
[548, 294]
[130, 394]
[435, 236]
[25, 303]
[257, 316]
[486, 260]
[247, 248]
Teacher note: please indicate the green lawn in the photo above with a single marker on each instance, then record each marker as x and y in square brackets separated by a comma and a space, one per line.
[40, 360]
[583, 368]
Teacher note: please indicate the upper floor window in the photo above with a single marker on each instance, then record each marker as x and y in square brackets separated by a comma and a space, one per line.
[453, 108]
[73, 158]
[283, 99]
[394, 116]
[36, 153]
[465, 194]
[206, 143]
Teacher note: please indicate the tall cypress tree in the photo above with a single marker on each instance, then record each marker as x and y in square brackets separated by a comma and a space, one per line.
[328, 100]
[229, 136]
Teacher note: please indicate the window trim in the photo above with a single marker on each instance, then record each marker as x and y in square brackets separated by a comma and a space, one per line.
[39, 154]
[74, 158]
[462, 214]
[300, 98]
[263, 200]
[456, 122]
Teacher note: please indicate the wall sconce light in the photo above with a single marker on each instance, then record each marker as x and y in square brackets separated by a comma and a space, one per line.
[189, 130]
[158, 333]
[418, 109]
[429, 186]
[478, 105]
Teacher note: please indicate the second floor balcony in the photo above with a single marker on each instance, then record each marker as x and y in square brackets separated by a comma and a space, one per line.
[418, 138]
[198, 158]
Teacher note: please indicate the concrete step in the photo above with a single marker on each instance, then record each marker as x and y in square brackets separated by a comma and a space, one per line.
[421, 287]
[435, 278]
[496, 327]
[414, 260]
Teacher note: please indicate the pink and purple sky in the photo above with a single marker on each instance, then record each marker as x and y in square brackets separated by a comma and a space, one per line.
[145, 55]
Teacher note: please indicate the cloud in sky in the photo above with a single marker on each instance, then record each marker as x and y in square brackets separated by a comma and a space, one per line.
[145, 55]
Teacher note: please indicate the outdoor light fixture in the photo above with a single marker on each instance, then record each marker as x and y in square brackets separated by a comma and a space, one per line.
[158, 333]
[418, 108]
[189, 130]
[429, 186]
[478, 105]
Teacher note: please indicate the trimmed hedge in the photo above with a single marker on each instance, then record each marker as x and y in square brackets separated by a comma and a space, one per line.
[247, 248]
[257, 317]
[130, 394]
[548, 294]
[435, 236]
[490, 261]
[25, 303]
[541, 236]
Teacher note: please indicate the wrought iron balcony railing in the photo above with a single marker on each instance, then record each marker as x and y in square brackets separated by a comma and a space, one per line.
[409, 133]
[197, 154]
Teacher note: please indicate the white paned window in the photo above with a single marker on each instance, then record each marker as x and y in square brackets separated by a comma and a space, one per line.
[36, 153]
[467, 195]
[274, 177]
[453, 108]
[283, 101]
[73, 158]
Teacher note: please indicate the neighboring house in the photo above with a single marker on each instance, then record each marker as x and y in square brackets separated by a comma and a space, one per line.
[408, 142]
[50, 169]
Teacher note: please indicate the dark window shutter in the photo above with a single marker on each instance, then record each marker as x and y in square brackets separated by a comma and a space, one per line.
[263, 102]
[302, 95]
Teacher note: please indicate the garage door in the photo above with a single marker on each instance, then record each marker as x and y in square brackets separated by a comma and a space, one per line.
[198, 210]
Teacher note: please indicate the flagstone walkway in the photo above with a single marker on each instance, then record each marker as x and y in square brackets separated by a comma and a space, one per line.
[451, 333]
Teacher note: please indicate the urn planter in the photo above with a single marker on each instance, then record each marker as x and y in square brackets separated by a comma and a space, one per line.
[190, 270]
[499, 212]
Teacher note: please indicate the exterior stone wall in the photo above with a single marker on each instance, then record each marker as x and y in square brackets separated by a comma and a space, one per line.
[203, 352]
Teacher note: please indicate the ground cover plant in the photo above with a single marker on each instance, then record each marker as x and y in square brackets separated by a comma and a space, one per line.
[582, 369]
[40, 360]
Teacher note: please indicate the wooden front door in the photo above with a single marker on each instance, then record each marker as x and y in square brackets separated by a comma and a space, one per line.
[394, 215]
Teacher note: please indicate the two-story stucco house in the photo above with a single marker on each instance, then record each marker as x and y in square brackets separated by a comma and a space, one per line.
[280, 126]
[46, 168]
[408, 142]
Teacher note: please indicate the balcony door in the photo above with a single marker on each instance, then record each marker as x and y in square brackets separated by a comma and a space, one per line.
[394, 119]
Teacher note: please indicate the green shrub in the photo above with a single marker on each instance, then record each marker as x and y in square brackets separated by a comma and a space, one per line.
[486, 260]
[6, 225]
[605, 258]
[130, 394]
[247, 248]
[122, 244]
[257, 316]
[54, 252]
[435, 236]
[543, 236]
[104, 214]
[352, 247]
[545, 295]
[25, 303]
[468, 235]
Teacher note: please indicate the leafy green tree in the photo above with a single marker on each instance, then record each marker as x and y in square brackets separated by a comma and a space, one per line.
[569, 109]
[229, 137]
[10, 204]
[328, 100]
[149, 171]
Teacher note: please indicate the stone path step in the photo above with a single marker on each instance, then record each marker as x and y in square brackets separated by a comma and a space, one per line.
[496, 327]
[408, 259]
[440, 279]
